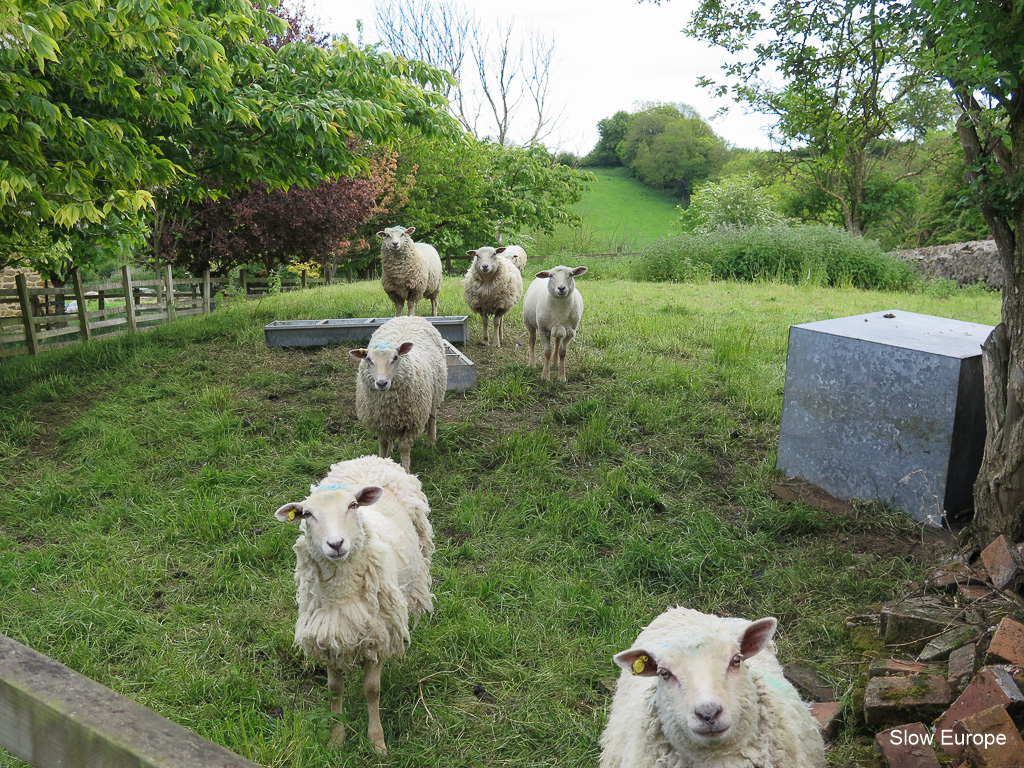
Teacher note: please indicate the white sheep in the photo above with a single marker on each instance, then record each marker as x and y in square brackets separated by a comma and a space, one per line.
[516, 254]
[362, 570]
[409, 271]
[701, 691]
[401, 382]
[492, 286]
[553, 307]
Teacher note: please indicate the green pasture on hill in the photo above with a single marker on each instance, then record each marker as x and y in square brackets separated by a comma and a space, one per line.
[139, 476]
[617, 212]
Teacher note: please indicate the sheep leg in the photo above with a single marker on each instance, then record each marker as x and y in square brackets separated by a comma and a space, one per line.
[497, 331]
[562, 349]
[533, 342]
[432, 427]
[413, 301]
[336, 684]
[433, 306]
[385, 447]
[405, 448]
[546, 370]
[371, 689]
[487, 338]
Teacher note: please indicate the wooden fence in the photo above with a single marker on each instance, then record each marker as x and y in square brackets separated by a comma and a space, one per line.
[52, 716]
[58, 316]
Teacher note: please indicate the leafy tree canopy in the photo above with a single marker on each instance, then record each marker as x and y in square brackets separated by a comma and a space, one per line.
[106, 105]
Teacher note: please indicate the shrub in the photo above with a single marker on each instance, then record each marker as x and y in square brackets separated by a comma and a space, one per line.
[805, 254]
[734, 202]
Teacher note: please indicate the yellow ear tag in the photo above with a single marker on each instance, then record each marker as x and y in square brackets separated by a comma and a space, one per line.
[640, 664]
[291, 515]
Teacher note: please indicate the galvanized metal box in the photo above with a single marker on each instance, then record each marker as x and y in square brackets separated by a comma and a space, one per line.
[888, 407]
[461, 371]
[320, 333]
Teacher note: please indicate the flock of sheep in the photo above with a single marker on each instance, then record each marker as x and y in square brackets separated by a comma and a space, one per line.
[696, 690]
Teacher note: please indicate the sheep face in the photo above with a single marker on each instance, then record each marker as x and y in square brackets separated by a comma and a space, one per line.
[381, 361]
[331, 521]
[391, 238]
[485, 260]
[561, 280]
[703, 687]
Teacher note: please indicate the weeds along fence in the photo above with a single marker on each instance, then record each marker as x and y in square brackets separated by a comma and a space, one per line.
[33, 320]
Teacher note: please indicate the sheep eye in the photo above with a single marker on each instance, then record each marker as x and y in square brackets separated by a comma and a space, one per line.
[664, 673]
[353, 504]
[736, 660]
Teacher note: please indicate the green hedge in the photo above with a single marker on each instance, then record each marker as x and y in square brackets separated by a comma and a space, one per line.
[803, 254]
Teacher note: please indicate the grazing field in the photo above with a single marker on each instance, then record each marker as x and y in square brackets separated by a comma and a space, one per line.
[139, 477]
[618, 212]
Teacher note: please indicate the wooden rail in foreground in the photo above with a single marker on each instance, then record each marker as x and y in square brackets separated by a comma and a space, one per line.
[51, 716]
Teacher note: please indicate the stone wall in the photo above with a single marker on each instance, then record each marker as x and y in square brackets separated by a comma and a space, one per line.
[966, 263]
[7, 274]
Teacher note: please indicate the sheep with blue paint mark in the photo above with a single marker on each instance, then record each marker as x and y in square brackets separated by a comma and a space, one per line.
[702, 691]
[362, 572]
[401, 383]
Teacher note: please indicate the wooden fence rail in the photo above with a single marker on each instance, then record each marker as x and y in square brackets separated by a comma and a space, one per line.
[52, 716]
[58, 316]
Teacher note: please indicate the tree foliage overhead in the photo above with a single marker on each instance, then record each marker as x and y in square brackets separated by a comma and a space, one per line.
[106, 103]
[839, 76]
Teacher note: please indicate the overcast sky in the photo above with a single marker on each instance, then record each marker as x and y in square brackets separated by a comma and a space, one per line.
[611, 54]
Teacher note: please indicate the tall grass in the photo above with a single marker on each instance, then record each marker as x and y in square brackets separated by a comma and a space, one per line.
[138, 479]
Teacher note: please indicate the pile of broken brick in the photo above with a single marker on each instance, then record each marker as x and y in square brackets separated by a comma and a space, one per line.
[954, 683]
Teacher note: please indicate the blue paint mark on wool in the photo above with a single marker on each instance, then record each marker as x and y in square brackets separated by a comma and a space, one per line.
[382, 346]
[329, 487]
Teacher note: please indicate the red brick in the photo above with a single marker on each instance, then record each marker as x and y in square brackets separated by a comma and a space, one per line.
[907, 746]
[828, 714]
[952, 574]
[991, 687]
[1007, 642]
[812, 685]
[994, 723]
[971, 593]
[898, 699]
[1003, 562]
[961, 666]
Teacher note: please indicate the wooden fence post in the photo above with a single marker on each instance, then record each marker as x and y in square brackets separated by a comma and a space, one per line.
[83, 314]
[129, 300]
[207, 295]
[243, 278]
[27, 318]
[169, 286]
[303, 279]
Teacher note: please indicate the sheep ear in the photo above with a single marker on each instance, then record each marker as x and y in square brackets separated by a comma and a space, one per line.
[578, 271]
[405, 348]
[638, 661]
[757, 636]
[545, 273]
[291, 512]
[471, 253]
[380, 234]
[358, 354]
[369, 495]
[410, 230]
[499, 250]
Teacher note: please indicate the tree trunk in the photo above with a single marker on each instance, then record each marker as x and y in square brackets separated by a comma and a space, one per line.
[999, 489]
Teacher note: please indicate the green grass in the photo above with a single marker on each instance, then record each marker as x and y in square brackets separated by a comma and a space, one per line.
[139, 475]
[617, 212]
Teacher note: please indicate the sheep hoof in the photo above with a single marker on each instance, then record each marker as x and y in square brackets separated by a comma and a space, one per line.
[380, 748]
[337, 735]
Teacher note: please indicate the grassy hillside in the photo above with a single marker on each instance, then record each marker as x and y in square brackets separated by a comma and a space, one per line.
[138, 479]
[617, 212]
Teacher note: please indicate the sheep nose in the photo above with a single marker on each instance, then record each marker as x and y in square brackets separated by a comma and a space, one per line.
[485, 267]
[708, 713]
[382, 384]
[561, 290]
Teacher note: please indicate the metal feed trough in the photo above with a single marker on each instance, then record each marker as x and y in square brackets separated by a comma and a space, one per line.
[320, 333]
[887, 406]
